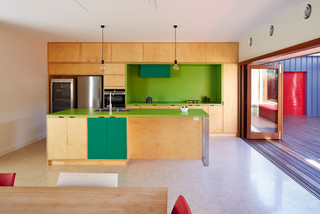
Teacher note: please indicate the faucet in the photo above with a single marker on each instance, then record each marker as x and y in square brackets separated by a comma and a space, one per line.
[110, 105]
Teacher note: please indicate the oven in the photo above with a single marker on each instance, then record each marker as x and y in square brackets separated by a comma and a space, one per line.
[118, 98]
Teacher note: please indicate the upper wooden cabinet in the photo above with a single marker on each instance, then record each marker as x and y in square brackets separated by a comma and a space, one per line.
[222, 52]
[127, 52]
[74, 69]
[191, 52]
[92, 52]
[63, 52]
[158, 52]
[115, 69]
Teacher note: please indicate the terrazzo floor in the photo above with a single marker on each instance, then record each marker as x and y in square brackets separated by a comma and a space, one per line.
[238, 179]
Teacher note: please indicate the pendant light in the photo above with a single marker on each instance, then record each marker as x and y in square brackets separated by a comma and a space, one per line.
[102, 66]
[175, 66]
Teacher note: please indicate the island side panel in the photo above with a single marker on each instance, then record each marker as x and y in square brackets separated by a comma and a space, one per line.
[164, 137]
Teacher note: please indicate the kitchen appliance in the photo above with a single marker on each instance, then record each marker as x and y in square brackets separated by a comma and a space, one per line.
[148, 100]
[62, 94]
[90, 89]
[118, 98]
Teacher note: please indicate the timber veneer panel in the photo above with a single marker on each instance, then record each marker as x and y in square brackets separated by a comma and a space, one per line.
[191, 52]
[127, 52]
[64, 52]
[158, 52]
[115, 69]
[56, 138]
[114, 81]
[73, 69]
[91, 52]
[77, 146]
[222, 52]
[230, 98]
[216, 119]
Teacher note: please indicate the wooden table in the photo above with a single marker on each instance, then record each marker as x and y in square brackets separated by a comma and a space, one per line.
[83, 200]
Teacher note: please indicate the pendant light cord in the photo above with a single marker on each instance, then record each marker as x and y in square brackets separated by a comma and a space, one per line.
[175, 42]
[102, 27]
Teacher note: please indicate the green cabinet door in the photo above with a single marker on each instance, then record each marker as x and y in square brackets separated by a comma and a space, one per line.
[107, 138]
[117, 138]
[97, 138]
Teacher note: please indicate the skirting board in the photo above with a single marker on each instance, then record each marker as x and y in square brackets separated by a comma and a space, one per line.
[16, 147]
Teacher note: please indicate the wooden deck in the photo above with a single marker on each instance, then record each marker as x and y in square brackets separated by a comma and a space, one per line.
[298, 154]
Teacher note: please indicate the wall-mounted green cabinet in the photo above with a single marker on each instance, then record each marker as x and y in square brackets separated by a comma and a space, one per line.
[107, 138]
[155, 71]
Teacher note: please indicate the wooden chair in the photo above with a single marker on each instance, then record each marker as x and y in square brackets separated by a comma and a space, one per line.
[7, 179]
[181, 206]
[68, 179]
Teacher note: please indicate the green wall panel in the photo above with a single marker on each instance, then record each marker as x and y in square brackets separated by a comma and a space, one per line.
[97, 138]
[155, 71]
[191, 82]
[117, 138]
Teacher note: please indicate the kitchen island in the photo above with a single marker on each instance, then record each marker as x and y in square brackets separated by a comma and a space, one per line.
[89, 137]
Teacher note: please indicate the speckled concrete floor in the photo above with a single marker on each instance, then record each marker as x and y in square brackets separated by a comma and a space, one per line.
[238, 180]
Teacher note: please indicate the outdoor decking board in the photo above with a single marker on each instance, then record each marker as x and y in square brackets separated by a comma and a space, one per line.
[301, 142]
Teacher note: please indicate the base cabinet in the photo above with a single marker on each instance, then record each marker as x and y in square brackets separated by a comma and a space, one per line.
[107, 138]
[67, 138]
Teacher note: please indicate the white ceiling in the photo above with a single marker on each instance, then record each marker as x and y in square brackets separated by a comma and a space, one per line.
[141, 20]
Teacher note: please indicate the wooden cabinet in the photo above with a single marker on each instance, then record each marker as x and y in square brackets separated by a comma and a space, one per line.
[133, 106]
[114, 81]
[74, 69]
[158, 52]
[154, 106]
[115, 69]
[92, 52]
[203, 107]
[127, 52]
[230, 97]
[64, 52]
[191, 52]
[107, 138]
[216, 119]
[222, 52]
[66, 138]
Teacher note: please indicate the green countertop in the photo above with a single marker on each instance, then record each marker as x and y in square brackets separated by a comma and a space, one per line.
[132, 113]
[173, 103]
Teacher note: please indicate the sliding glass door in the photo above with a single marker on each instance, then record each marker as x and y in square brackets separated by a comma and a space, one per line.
[264, 102]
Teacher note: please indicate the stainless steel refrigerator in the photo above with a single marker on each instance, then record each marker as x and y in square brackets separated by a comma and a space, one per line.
[90, 92]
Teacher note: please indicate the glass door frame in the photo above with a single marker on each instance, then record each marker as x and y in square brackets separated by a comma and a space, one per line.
[265, 135]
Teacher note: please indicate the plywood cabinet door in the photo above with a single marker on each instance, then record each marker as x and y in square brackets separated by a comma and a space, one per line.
[203, 107]
[74, 69]
[127, 52]
[155, 107]
[158, 52]
[92, 52]
[115, 69]
[64, 52]
[191, 52]
[56, 138]
[77, 145]
[222, 52]
[133, 106]
[215, 119]
[114, 81]
[230, 97]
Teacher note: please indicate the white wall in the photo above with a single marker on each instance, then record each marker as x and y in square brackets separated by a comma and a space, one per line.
[23, 81]
[290, 29]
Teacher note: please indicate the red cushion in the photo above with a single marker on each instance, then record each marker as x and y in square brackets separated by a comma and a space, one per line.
[181, 206]
[7, 179]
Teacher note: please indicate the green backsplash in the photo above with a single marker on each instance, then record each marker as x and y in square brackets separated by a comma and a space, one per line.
[191, 82]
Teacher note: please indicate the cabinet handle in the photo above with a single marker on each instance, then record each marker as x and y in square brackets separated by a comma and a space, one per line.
[101, 116]
[61, 117]
[71, 117]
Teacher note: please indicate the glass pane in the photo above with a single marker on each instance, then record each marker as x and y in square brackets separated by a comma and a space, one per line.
[264, 100]
[61, 90]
